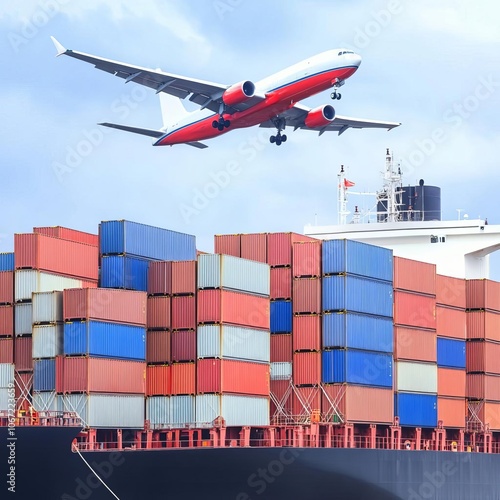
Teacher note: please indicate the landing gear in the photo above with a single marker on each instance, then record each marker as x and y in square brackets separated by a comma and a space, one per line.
[221, 123]
[279, 137]
[336, 85]
[335, 95]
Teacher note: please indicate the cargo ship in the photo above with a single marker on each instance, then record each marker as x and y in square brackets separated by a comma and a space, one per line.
[352, 361]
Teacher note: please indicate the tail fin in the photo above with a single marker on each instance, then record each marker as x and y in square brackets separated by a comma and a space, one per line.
[172, 109]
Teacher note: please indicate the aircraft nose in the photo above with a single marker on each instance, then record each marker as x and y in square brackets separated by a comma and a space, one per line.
[356, 59]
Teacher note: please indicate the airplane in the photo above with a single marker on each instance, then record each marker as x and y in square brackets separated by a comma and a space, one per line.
[272, 102]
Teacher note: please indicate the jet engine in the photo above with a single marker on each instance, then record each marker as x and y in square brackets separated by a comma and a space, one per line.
[320, 117]
[238, 93]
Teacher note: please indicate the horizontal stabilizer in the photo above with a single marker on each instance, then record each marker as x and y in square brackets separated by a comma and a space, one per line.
[135, 130]
[196, 144]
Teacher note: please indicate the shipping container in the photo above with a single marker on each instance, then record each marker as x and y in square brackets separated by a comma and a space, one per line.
[158, 315]
[23, 314]
[232, 376]
[354, 257]
[6, 399]
[307, 368]
[228, 244]
[307, 333]
[158, 411]
[226, 341]
[7, 350]
[306, 259]
[48, 340]
[356, 294]
[224, 306]
[23, 358]
[7, 261]
[183, 378]
[7, 320]
[140, 240]
[65, 233]
[47, 401]
[281, 347]
[357, 404]
[45, 253]
[451, 353]
[6, 287]
[483, 386]
[6, 375]
[44, 375]
[182, 411]
[412, 309]
[305, 401]
[357, 367]
[488, 413]
[415, 344]
[119, 271]
[279, 247]
[281, 398]
[160, 278]
[281, 371]
[158, 346]
[110, 340]
[452, 412]
[482, 357]
[233, 273]
[416, 377]
[23, 387]
[416, 410]
[414, 276]
[451, 382]
[450, 291]
[281, 283]
[483, 325]
[158, 380]
[451, 322]
[183, 345]
[483, 294]
[281, 316]
[253, 247]
[108, 411]
[184, 277]
[28, 281]
[183, 312]
[357, 331]
[307, 295]
[47, 307]
[104, 304]
[236, 410]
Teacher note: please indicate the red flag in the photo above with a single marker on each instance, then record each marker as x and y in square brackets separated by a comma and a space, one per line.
[348, 184]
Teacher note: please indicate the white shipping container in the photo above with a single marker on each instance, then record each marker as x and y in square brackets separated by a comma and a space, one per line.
[226, 271]
[48, 341]
[47, 401]
[6, 399]
[158, 411]
[224, 341]
[6, 375]
[109, 411]
[28, 281]
[47, 307]
[22, 318]
[281, 371]
[416, 377]
[182, 410]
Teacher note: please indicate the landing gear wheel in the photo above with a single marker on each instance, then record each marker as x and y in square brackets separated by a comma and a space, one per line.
[333, 95]
[220, 127]
[283, 138]
[227, 123]
[278, 141]
[272, 139]
[215, 124]
[339, 96]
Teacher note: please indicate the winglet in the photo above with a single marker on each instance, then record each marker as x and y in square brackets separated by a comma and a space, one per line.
[60, 49]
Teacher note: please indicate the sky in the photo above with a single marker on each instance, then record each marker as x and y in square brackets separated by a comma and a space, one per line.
[433, 66]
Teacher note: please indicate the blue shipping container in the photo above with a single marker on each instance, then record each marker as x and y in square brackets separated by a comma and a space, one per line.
[44, 375]
[418, 410]
[358, 331]
[354, 257]
[357, 294]
[451, 353]
[7, 261]
[281, 316]
[119, 271]
[357, 367]
[109, 340]
[140, 240]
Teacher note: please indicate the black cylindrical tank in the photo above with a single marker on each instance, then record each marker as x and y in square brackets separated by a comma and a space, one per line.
[421, 203]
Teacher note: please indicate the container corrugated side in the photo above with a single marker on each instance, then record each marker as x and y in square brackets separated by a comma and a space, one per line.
[281, 347]
[228, 244]
[158, 312]
[307, 295]
[5, 399]
[47, 307]
[44, 375]
[48, 340]
[451, 353]
[482, 357]
[483, 294]
[483, 386]
[281, 371]
[23, 358]
[7, 261]
[184, 277]
[23, 314]
[183, 313]
[357, 331]
[7, 320]
[281, 283]
[451, 322]
[158, 346]
[66, 233]
[281, 316]
[158, 411]
[357, 294]
[182, 410]
[183, 378]
[483, 325]
[416, 377]
[7, 350]
[307, 368]
[6, 287]
[253, 247]
[183, 345]
[158, 380]
[419, 410]
[47, 401]
[451, 382]
[413, 309]
[160, 278]
[450, 291]
[306, 258]
[355, 257]
[415, 344]
[279, 247]
[488, 413]
[118, 271]
[452, 412]
[28, 281]
[6, 375]
[414, 276]
[307, 332]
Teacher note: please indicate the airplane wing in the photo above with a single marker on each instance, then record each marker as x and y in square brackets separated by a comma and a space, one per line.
[206, 94]
[295, 117]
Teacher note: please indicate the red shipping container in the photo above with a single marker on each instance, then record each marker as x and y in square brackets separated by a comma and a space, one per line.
[483, 386]
[184, 277]
[483, 294]
[65, 233]
[483, 325]
[23, 389]
[23, 354]
[281, 283]
[158, 346]
[451, 382]
[306, 368]
[223, 306]
[228, 244]
[281, 400]
[357, 404]
[158, 312]
[6, 321]
[6, 287]
[89, 284]
[82, 374]
[482, 357]
[183, 378]
[183, 313]
[415, 344]
[184, 345]
[158, 380]
[281, 348]
[105, 304]
[412, 309]
[160, 278]
[7, 350]
[57, 256]
[306, 259]
[450, 291]
[451, 322]
[307, 295]
[305, 401]
[254, 247]
[279, 247]
[414, 276]
[307, 333]
[452, 412]
[488, 413]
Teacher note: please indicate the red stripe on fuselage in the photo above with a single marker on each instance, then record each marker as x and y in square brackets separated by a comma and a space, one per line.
[276, 102]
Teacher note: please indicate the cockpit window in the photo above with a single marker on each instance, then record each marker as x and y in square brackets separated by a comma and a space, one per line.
[345, 52]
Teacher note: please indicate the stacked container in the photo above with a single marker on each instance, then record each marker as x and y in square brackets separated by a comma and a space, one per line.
[357, 357]
[415, 343]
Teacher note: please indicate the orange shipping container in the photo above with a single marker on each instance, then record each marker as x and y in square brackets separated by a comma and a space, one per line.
[306, 333]
[279, 247]
[451, 382]
[306, 258]
[482, 357]
[305, 401]
[158, 380]
[254, 247]
[307, 295]
[158, 345]
[281, 283]
[281, 348]
[6, 287]
[7, 350]
[183, 313]
[228, 244]
[483, 325]
[183, 376]
[7, 320]
[158, 312]
[483, 386]
[184, 277]
[65, 233]
[414, 276]
[307, 368]
[452, 412]
[450, 291]
[23, 353]
[483, 294]
[412, 309]
[488, 413]
[451, 322]
[415, 344]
